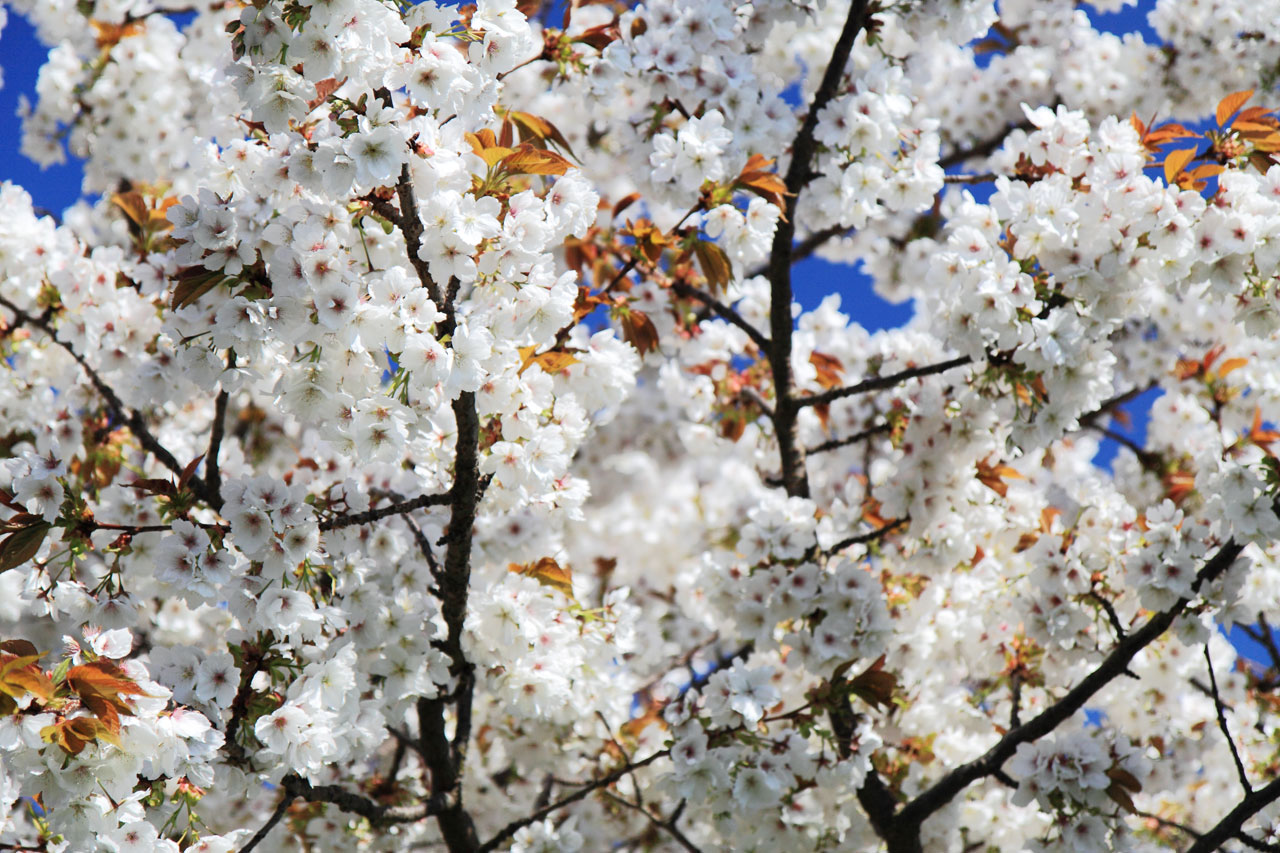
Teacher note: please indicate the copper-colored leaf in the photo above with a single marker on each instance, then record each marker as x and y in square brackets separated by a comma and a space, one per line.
[829, 368]
[324, 89]
[715, 264]
[525, 159]
[639, 331]
[875, 685]
[21, 648]
[552, 361]
[103, 687]
[21, 675]
[74, 734]
[993, 476]
[547, 572]
[1230, 365]
[624, 203]
[188, 471]
[133, 206]
[537, 127]
[1176, 161]
[1228, 105]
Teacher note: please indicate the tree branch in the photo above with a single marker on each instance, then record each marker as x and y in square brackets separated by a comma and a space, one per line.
[668, 825]
[984, 147]
[1116, 663]
[836, 443]
[786, 410]
[868, 537]
[724, 312]
[608, 779]
[383, 512]
[881, 382]
[213, 474]
[1229, 827]
[411, 227]
[1222, 723]
[115, 405]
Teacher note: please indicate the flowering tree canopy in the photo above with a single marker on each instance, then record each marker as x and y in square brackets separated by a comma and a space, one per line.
[417, 444]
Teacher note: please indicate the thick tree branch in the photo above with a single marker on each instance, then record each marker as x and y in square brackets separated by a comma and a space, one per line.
[1229, 827]
[879, 383]
[798, 175]
[1115, 664]
[213, 473]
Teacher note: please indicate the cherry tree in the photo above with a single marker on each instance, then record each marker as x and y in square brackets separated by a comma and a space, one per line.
[417, 444]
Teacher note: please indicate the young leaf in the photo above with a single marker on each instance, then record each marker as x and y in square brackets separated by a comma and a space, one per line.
[1175, 161]
[715, 264]
[1230, 104]
[547, 572]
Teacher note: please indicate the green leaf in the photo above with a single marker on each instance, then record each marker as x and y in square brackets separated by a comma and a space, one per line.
[21, 545]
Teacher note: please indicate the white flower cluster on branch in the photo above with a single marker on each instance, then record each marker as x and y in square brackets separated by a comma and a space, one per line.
[418, 443]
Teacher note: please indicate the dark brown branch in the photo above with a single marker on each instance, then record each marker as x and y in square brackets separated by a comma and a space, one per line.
[1222, 723]
[908, 821]
[837, 443]
[411, 227]
[1268, 640]
[1110, 610]
[383, 512]
[799, 174]
[134, 420]
[724, 312]
[348, 801]
[864, 538]
[984, 148]
[213, 474]
[1106, 406]
[667, 825]
[881, 382]
[1229, 827]
[608, 779]
[261, 834]
[969, 179]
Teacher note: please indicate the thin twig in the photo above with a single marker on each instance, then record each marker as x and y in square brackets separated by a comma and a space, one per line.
[984, 147]
[864, 538]
[836, 443]
[723, 311]
[115, 405]
[276, 815]
[879, 383]
[608, 779]
[668, 825]
[383, 512]
[1222, 723]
